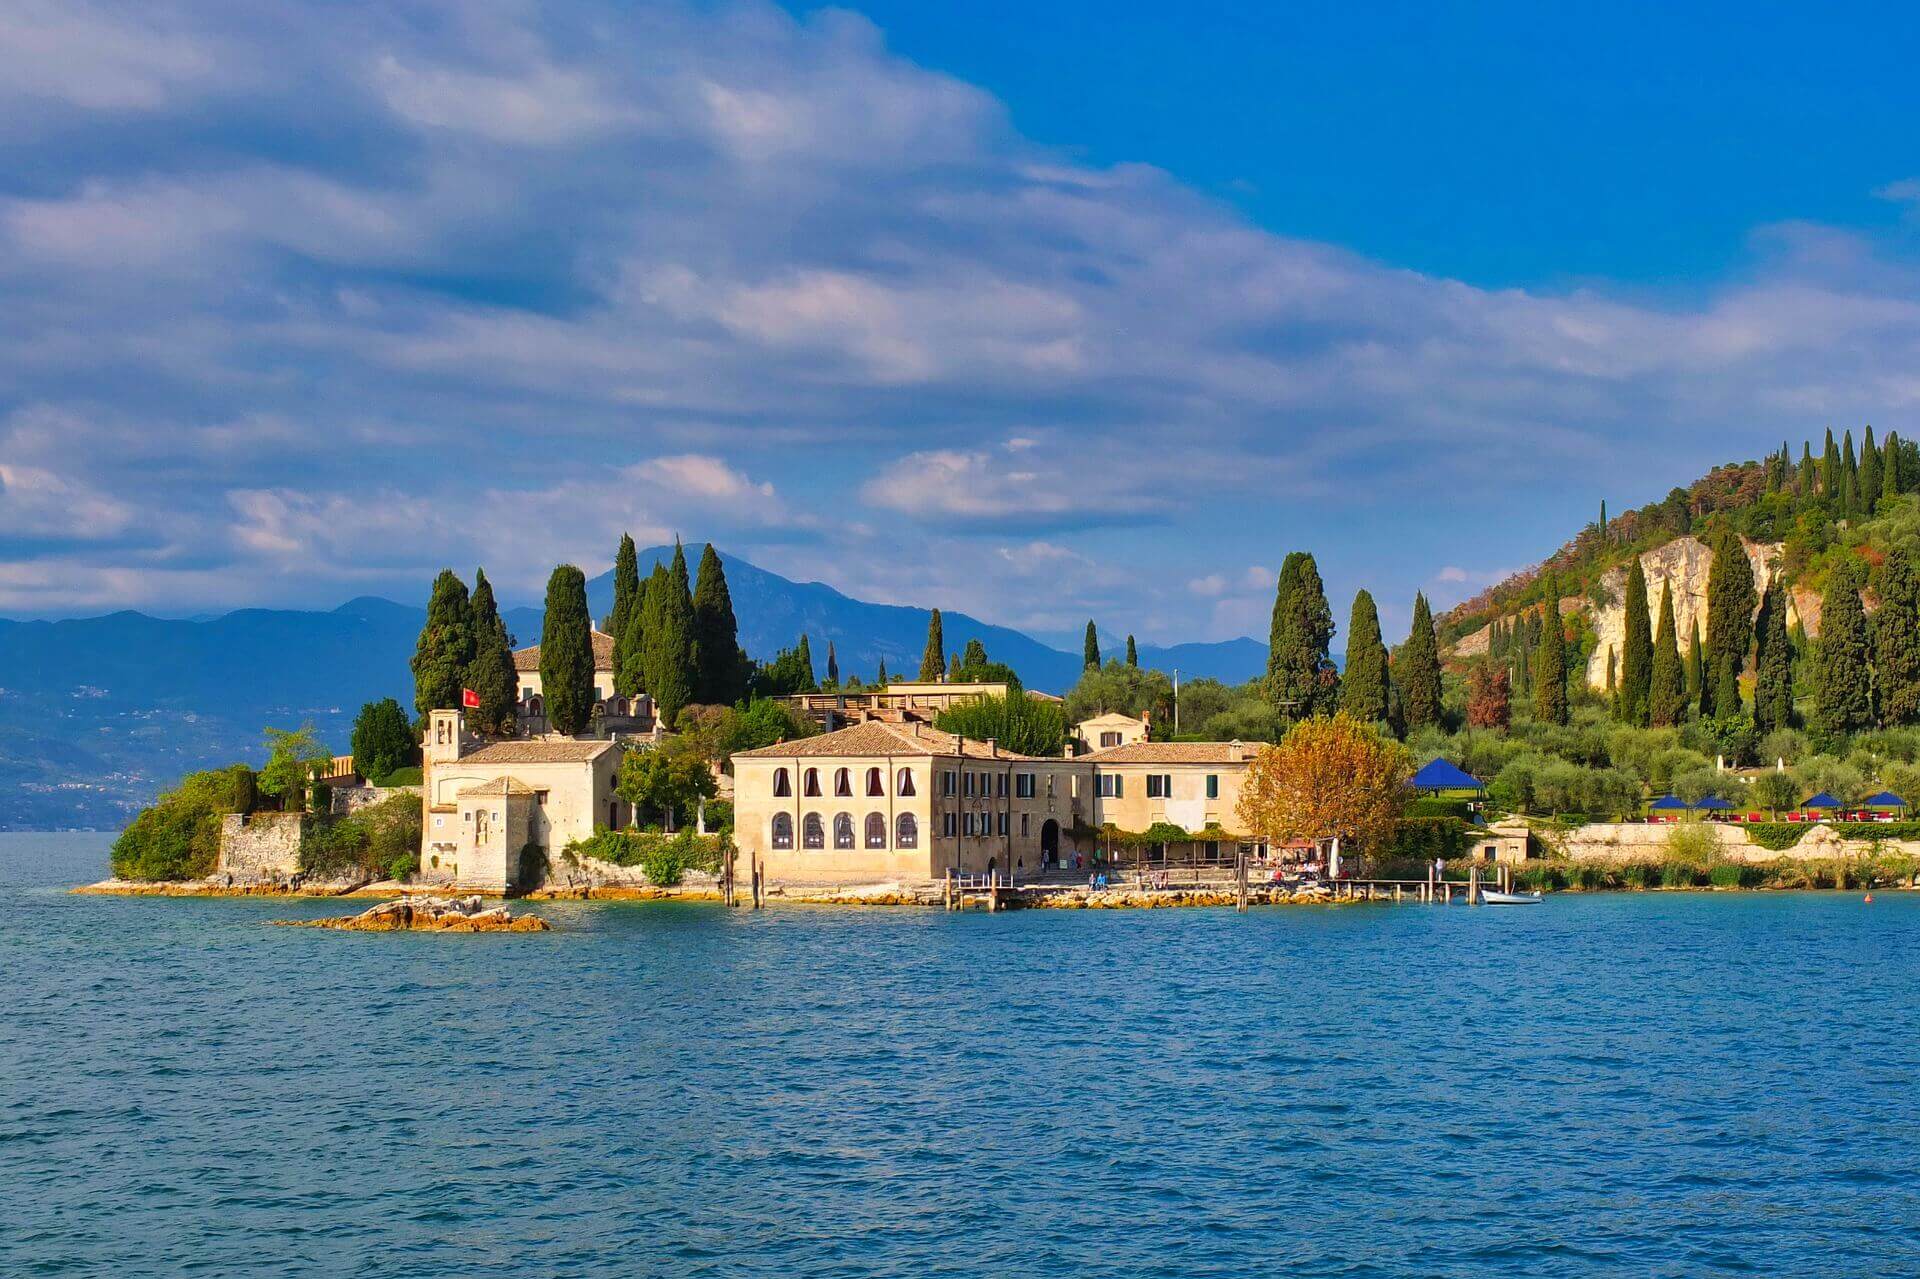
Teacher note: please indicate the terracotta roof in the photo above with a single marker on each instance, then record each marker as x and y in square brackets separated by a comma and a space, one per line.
[498, 786]
[563, 751]
[528, 659]
[1175, 753]
[877, 738]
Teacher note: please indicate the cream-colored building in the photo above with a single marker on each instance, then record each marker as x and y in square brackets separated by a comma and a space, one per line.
[494, 810]
[903, 800]
[611, 712]
[1104, 732]
[898, 701]
[1192, 785]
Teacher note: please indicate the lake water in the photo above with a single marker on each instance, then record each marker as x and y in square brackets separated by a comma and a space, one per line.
[1652, 1084]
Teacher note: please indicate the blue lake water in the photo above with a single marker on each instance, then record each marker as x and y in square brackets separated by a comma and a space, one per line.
[1651, 1084]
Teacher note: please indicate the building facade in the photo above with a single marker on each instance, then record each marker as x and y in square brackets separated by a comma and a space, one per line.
[903, 800]
[612, 713]
[494, 811]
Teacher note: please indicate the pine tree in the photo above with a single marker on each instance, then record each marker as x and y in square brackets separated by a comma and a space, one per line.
[1667, 681]
[1730, 606]
[626, 595]
[1636, 656]
[1550, 664]
[491, 675]
[1896, 640]
[1090, 648]
[668, 656]
[1133, 654]
[973, 661]
[720, 677]
[1696, 664]
[1302, 629]
[1843, 701]
[1870, 477]
[445, 648]
[933, 661]
[383, 740]
[566, 652]
[1419, 676]
[1363, 692]
[833, 667]
[1773, 663]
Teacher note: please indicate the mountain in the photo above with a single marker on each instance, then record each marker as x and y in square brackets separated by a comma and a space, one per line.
[98, 713]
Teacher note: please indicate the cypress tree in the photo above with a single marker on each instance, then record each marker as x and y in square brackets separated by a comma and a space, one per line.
[491, 675]
[1870, 478]
[1807, 481]
[1636, 657]
[1667, 680]
[933, 661]
[1090, 648]
[1521, 657]
[1419, 678]
[626, 594]
[970, 662]
[1773, 663]
[566, 652]
[805, 654]
[1730, 605]
[720, 677]
[1550, 664]
[1896, 640]
[1696, 664]
[630, 670]
[1297, 644]
[1604, 541]
[1613, 674]
[1133, 654]
[1842, 698]
[880, 677]
[669, 641]
[445, 648]
[1363, 692]
[1850, 477]
[1832, 477]
[833, 666]
[1892, 479]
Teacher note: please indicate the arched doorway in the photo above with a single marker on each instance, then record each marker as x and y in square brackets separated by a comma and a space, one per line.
[1050, 843]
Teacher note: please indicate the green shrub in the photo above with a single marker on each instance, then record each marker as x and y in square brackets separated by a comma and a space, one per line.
[1732, 875]
[1776, 837]
[408, 776]
[1422, 839]
[663, 859]
[1434, 806]
[373, 841]
[1680, 874]
[179, 836]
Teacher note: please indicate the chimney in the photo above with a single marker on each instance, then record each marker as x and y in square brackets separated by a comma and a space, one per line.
[993, 748]
[1234, 750]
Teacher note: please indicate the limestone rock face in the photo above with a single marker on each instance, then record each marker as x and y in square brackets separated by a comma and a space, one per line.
[431, 914]
[1684, 563]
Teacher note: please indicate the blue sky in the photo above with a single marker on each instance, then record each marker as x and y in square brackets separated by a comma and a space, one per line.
[1039, 312]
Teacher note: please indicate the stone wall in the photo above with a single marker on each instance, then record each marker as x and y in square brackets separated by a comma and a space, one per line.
[259, 848]
[351, 799]
[1647, 841]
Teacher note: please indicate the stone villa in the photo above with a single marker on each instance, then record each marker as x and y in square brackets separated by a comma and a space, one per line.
[903, 800]
[612, 712]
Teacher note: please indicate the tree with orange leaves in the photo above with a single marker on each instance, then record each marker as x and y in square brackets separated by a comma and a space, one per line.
[1327, 777]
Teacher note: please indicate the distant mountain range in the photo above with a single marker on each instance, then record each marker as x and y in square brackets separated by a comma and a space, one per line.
[98, 713]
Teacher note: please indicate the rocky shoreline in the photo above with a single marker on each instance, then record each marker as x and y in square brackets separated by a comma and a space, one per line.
[429, 915]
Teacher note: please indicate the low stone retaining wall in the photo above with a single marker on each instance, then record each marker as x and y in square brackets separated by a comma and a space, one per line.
[259, 848]
[1647, 841]
[348, 800]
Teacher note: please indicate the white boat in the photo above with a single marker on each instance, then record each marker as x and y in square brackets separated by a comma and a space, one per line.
[1494, 897]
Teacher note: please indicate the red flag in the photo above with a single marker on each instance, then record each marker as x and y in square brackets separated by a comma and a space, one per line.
[469, 699]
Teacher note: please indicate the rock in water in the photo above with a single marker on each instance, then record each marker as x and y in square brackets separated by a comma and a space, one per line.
[431, 915]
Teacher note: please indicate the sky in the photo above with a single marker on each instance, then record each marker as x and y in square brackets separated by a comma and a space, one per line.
[1037, 312]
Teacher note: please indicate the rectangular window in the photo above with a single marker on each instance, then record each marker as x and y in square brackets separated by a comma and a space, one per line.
[946, 785]
[1023, 786]
[1156, 786]
[947, 824]
[1003, 786]
[1023, 825]
[1110, 787]
[1003, 823]
[1213, 786]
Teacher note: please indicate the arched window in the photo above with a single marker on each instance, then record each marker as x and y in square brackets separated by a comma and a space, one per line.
[782, 784]
[813, 833]
[876, 831]
[536, 705]
[843, 830]
[907, 832]
[783, 829]
[904, 785]
[876, 782]
[842, 782]
[812, 787]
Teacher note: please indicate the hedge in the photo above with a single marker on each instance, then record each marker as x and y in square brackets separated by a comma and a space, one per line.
[1425, 838]
[1779, 836]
